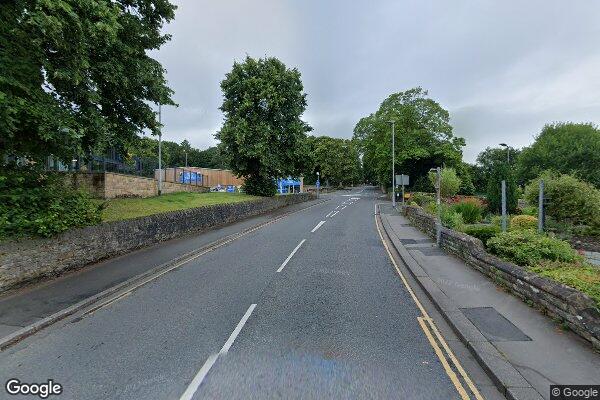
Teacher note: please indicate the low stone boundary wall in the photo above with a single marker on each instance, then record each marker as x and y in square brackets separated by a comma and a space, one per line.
[30, 260]
[570, 306]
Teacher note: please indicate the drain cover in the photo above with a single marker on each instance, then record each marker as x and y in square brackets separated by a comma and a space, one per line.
[493, 325]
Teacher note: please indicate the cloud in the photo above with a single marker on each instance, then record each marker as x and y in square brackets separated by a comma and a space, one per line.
[502, 69]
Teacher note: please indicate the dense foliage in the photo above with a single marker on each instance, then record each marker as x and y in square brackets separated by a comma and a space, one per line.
[75, 75]
[482, 232]
[520, 222]
[494, 189]
[423, 137]
[566, 148]
[449, 182]
[263, 136]
[471, 210]
[528, 248]
[33, 203]
[337, 161]
[569, 199]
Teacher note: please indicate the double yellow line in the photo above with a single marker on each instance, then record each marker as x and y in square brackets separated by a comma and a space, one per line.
[435, 337]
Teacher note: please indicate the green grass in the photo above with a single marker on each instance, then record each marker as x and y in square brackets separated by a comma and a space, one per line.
[119, 209]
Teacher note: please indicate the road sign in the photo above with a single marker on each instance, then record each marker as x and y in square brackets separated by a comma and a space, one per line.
[230, 188]
[318, 184]
[402, 180]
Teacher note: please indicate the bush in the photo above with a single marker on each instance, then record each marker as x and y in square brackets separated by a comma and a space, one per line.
[494, 189]
[450, 182]
[581, 276]
[471, 210]
[422, 199]
[528, 248]
[449, 218]
[530, 210]
[40, 204]
[521, 222]
[569, 199]
[482, 232]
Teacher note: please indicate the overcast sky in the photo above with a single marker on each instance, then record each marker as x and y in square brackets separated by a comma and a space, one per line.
[502, 68]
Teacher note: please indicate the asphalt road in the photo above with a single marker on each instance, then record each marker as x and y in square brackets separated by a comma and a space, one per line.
[300, 308]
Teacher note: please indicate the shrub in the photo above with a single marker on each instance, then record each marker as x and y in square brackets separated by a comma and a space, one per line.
[529, 248]
[40, 204]
[422, 199]
[471, 210]
[494, 189]
[569, 199]
[451, 219]
[579, 275]
[450, 182]
[521, 222]
[530, 210]
[482, 232]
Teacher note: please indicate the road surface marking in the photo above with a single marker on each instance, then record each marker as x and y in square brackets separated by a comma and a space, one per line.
[291, 255]
[317, 227]
[337, 207]
[426, 317]
[212, 359]
[333, 215]
[195, 384]
[343, 207]
[237, 330]
[455, 381]
[329, 215]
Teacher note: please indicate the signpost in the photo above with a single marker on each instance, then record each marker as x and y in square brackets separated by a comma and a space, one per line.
[404, 181]
[230, 188]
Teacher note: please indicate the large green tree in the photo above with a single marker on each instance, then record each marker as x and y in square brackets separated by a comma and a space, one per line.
[489, 159]
[337, 161]
[263, 136]
[567, 148]
[424, 137]
[75, 75]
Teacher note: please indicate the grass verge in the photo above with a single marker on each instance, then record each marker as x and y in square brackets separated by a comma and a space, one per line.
[119, 209]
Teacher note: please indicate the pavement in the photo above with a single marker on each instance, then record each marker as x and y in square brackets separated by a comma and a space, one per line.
[313, 305]
[492, 321]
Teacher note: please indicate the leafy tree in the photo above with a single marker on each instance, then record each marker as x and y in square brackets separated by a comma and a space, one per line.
[567, 148]
[491, 157]
[75, 75]
[423, 138]
[494, 189]
[450, 182]
[337, 161]
[263, 136]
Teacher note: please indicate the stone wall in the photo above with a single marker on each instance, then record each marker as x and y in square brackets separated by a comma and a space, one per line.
[109, 185]
[30, 260]
[575, 309]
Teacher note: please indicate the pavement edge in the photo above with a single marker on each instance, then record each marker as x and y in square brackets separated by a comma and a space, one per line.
[505, 376]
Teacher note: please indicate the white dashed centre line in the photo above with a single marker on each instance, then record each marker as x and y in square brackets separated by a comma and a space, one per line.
[291, 255]
[210, 361]
[317, 227]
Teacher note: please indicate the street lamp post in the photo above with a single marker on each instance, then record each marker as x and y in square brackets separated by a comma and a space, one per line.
[393, 163]
[185, 151]
[507, 151]
[159, 151]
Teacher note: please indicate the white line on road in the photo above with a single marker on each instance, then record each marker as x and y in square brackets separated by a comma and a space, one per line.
[212, 359]
[333, 215]
[237, 330]
[317, 227]
[343, 207]
[291, 255]
[329, 215]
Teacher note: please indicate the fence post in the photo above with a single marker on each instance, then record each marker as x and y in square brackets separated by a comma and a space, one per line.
[541, 207]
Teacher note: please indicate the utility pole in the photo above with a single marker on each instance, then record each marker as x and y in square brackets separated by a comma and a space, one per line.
[185, 151]
[541, 207]
[393, 163]
[159, 151]
[438, 203]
